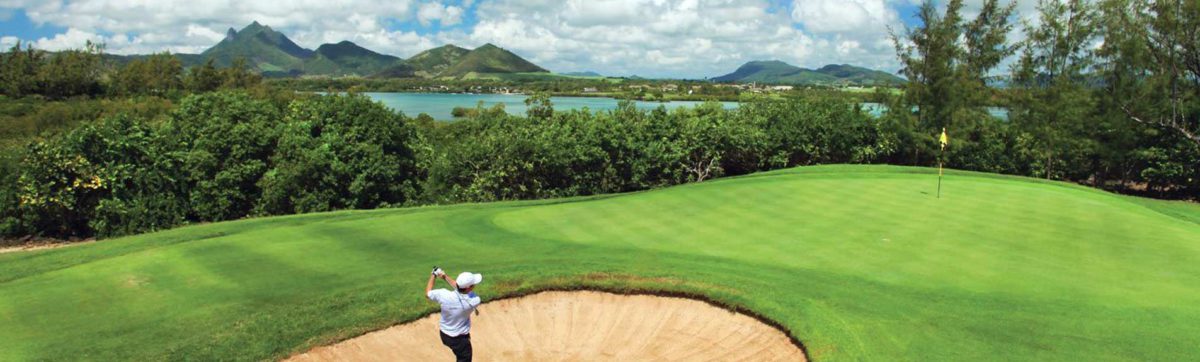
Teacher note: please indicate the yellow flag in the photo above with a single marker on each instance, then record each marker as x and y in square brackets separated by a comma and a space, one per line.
[943, 139]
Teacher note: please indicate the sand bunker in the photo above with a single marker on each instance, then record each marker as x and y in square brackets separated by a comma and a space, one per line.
[580, 326]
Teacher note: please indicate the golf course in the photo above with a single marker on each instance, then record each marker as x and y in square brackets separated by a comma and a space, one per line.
[853, 262]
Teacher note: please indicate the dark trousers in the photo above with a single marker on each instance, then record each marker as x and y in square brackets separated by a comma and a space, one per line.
[461, 346]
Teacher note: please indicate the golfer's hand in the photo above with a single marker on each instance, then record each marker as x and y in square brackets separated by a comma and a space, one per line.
[439, 272]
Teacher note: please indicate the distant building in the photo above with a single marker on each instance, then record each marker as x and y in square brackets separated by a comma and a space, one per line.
[782, 88]
[589, 90]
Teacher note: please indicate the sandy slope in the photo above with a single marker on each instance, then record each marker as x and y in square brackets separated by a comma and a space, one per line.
[572, 326]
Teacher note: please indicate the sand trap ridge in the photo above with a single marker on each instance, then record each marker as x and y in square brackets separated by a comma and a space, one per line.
[573, 326]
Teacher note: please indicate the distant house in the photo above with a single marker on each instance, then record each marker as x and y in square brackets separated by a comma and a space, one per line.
[782, 88]
[589, 90]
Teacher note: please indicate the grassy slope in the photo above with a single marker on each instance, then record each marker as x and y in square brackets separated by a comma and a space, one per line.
[433, 61]
[859, 262]
[490, 59]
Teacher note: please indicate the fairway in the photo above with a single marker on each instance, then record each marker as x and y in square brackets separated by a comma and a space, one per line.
[855, 262]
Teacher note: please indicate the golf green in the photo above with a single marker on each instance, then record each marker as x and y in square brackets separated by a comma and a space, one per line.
[856, 262]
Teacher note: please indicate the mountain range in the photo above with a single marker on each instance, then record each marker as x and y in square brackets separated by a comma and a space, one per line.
[777, 72]
[273, 54]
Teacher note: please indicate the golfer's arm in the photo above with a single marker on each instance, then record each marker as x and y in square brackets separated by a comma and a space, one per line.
[453, 284]
[429, 286]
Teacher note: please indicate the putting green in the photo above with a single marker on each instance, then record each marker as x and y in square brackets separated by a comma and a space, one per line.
[857, 262]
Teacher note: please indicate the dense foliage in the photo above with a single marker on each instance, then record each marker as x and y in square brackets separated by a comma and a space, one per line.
[218, 156]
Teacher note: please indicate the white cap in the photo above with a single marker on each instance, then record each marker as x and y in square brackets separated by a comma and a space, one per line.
[468, 279]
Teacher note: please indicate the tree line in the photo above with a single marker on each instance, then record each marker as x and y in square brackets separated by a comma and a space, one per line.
[229, 154]
[1101, 92]
[88, 72]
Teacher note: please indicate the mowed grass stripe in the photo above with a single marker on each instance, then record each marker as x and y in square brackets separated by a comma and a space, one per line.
[859, 262]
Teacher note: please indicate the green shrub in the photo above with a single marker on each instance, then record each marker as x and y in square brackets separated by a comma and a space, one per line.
[338, 152]
[224, 140]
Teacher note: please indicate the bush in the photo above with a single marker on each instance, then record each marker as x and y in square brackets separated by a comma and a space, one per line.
[68, 186]
[10, 217]
[339, 152]
[224, 140]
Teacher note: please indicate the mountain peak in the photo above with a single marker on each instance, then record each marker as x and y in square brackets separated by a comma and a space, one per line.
[773, 61]
[229, 34]
[254, 27]
[347, 48]
[490, 58]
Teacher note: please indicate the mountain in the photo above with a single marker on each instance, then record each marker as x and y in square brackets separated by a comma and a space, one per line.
[860, 75]
[774, 71]
[273, 54]
[583, 74]
[264, 48]
[490, 59]
[400, 70]
[346, 58]
[433, 61]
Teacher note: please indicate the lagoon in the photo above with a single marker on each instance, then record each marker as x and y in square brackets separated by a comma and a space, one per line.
[439, 105]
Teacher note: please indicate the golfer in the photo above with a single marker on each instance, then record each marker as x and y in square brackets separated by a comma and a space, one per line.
[457, 306]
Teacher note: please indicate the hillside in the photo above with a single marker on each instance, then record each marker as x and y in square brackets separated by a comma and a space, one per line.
[856, 262]
[347, 58]
[398, 70]
[490, 59]
[433, 61]
[272, 53]
[859, 75]
[778, 72]
[265, 49]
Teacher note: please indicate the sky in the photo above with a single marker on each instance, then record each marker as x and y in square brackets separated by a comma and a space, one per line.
[650, 38]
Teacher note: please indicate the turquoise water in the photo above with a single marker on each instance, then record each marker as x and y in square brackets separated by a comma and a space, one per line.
[439, 105]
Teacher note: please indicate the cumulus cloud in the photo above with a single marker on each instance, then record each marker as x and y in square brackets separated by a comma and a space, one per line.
[7, 42]
[139, 26]
[843, 15]
[679, 38]
[672, 38]
[444, 14]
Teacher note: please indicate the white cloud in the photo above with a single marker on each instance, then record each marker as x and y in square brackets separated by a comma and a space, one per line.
[677, 38]
[847, 47]
[194, 25]
[445, 15]
[203, 32]
[673, 38]
[825, 16]
[7, 42]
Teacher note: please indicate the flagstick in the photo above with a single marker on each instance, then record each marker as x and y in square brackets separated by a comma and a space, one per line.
[941, 159]
[939, 192]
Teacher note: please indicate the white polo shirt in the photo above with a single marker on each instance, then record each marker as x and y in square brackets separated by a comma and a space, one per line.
[456, 310]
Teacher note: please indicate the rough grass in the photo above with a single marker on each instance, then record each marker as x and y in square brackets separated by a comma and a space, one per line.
[858, 262]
